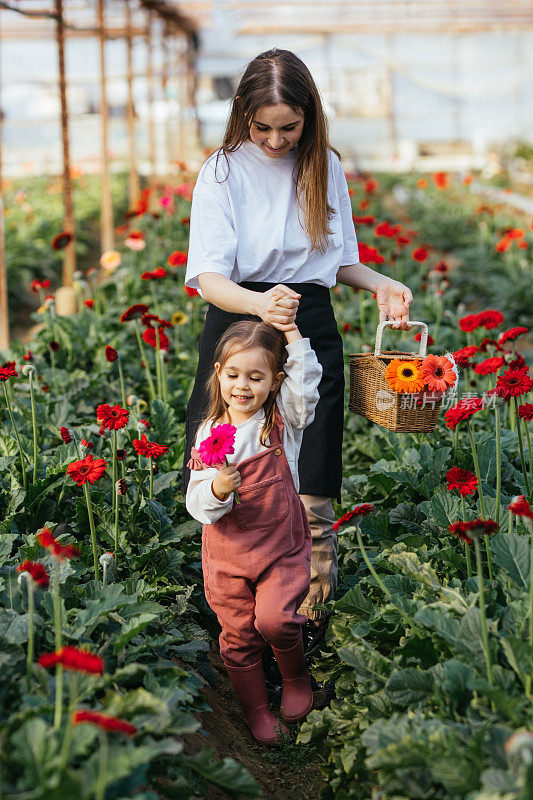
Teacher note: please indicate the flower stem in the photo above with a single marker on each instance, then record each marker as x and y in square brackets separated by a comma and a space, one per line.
[467, 546]
[235, 493]
[480, 490]
[498, 463]
[151, 490]
[54, 376]
[121, 378]
[56, 602]
[31, 606]
[529, 677]
[158, 364]
[145, 362]
[529, 447]
[102, 768]
[116, 530]
[73, 700]
[93, 531]
[519, 431]
[482, 609]
[16, 436]
[34, 424]
[114, 469]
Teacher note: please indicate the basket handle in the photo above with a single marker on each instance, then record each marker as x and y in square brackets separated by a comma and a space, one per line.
[423, 338]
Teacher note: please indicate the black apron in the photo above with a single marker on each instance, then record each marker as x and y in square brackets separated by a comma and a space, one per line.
[320, 462]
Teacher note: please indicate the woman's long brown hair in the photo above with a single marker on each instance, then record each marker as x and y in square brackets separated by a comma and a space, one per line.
[279, 76]
[245, 335]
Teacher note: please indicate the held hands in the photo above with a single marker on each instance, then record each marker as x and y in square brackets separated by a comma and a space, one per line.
[393, 299]
[227, 480]
[279, 307]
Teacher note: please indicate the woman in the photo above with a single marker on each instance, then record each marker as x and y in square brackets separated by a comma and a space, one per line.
[271, 232]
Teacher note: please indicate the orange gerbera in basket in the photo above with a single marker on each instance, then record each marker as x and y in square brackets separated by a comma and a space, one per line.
[405, 376]
[437, 372]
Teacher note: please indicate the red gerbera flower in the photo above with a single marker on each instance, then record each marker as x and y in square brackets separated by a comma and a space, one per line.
[149, 449]
[490, 318]
[503, 244]
[488, 344]
[134, 312]
[387, 230]
[361, 510]
[370, 186]
[149, 338]
[177, 258]
[61, 240]
[440, 179]
[103, 721]
[159, 272]
[525, 411]
[369, 254]
[73, 658]
[88, 469]
[54, 346]
[28, 356]
[473, 529]
[469, 323]
[418, 336]
[464, 409]
[112, 417]
[515, 363]
[36, 284]
[489, 366]
[461, 479]
[110, 353]
[346, 327]
[514, 233]
[8, 370]
[66, 434]
[366, 219]
[420, 254]
[190, 292]
[513, 383]
[37, 571]
[461, 356]
[520, 506]
[46, 539]
[511, 334]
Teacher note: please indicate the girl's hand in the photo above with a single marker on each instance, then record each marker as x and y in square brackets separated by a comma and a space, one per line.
[280, 305]
[227, 480]
[394, 299]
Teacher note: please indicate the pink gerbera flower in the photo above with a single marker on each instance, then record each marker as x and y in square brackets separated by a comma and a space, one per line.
[216, 447]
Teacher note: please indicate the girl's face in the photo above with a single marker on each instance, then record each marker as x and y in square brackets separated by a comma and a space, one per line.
[276, 129]
[246, 380]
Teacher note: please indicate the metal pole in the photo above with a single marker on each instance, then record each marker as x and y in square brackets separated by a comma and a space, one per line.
[134, 187]
[69, 259]
[4, 313]
[106, 233]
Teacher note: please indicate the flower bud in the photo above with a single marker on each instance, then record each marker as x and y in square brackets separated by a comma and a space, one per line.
[23, 575]
[66, 434]
[131, 399]
[86, 446]
[28, 369]
[121, 487]
[143, 425]
[106, 559]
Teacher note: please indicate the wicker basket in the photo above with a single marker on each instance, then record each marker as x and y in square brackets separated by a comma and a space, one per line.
[371, 396]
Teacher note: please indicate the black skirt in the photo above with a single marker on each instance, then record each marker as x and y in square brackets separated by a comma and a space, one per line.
[320, 463]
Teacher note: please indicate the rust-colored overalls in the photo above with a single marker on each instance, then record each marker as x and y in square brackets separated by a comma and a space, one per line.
[256, 558]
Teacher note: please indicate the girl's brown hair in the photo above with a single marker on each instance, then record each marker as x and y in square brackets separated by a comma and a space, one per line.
[245, 335]
[280, 77]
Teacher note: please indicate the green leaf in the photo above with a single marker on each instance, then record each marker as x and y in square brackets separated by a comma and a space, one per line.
[131, 629]
[443, 508]
[230, 776]
[511, 553]
[6, 546]
[163, 421]
[517, 652]
[410, 685]
[410, 565]
[164, 480]
[356, 603]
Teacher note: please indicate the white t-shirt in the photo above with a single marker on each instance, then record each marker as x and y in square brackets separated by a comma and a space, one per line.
[245, 226]
[296, 401]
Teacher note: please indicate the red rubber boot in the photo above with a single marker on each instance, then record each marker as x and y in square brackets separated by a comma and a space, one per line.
[297, 698]
[250, 688]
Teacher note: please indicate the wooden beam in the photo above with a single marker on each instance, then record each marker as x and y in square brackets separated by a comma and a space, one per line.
[69, 255]
[133, 187]
[150, 97]
[106, 228]
[4, 310]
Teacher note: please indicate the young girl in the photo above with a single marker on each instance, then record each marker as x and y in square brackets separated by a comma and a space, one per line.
[256, 552]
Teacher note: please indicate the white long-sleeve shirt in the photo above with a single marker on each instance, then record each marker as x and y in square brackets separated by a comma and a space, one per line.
[245, 225]
[296, 401]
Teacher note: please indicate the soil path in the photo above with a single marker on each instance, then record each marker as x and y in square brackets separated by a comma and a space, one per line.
[287, 772]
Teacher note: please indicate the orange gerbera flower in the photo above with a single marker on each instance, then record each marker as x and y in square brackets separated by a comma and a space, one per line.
[405, 376]
[438, 373]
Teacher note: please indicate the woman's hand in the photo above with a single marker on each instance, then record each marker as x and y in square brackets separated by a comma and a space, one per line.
[393, 299]
[227, 480]
[279, 307]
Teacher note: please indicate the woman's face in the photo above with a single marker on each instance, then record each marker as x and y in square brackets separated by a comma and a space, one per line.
[276, 129]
